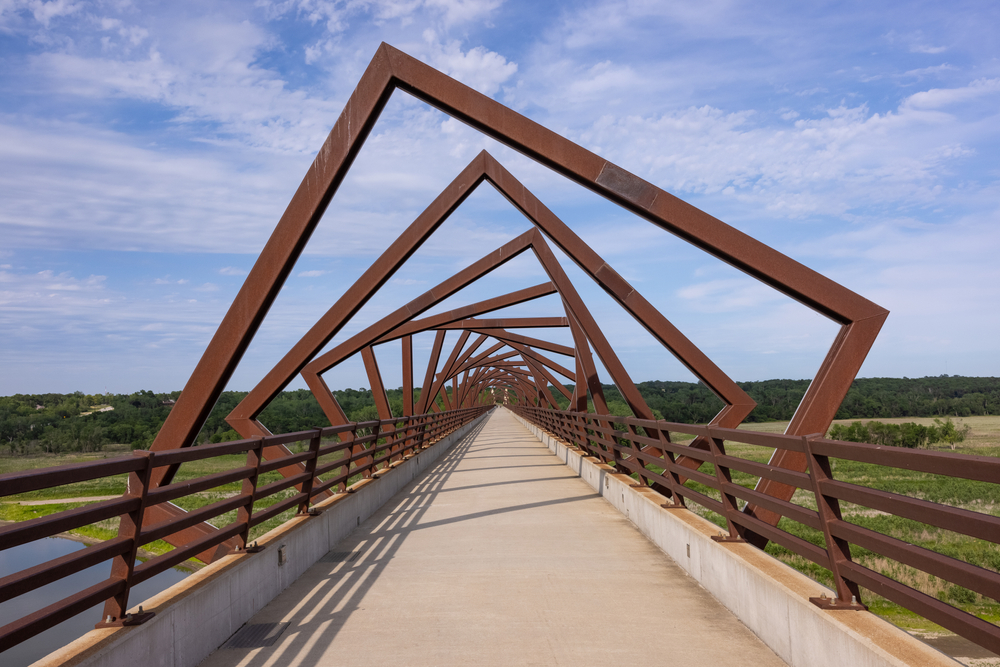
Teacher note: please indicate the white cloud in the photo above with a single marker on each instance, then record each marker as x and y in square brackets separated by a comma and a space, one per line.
[232, 271]
[937, 98]
[479, 68]
[315, 273]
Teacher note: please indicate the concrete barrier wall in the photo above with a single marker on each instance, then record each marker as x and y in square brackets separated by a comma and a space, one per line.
[200, 613]
[769, 597]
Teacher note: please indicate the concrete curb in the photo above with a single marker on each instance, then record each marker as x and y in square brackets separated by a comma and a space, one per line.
[769, 597]
[199, 614]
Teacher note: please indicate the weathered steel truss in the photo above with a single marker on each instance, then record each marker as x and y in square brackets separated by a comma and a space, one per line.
[490, 362]
[859, 319]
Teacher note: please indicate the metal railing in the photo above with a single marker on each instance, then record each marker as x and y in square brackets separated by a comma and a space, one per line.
[368, 449]
[626, 444]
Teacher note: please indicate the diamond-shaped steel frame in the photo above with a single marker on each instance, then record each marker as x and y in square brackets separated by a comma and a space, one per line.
[860, 320]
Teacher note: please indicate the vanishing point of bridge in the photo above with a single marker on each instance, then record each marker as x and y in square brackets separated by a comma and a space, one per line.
[499, 555]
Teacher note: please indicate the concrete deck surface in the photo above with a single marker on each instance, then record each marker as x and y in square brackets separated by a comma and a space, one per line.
[499, 556]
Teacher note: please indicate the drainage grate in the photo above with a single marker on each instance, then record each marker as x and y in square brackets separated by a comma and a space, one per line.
[256, 636]
[341, 556]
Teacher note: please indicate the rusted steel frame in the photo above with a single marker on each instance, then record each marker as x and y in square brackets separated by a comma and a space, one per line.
[717, 449]
[468, 312]
[829, 511]
[249, 489]
[463, 389]
[468, 352]
[508, 323]
[588, 371]
[426, 397]
[508, 336]
[483, 361]
[543, 385]
[129, 528]
[480, 111]
[307, 485]
[545, 361]
[581, 314]
[738, 403]
[379, 331]
[313, 370]
[274, 265]
[324, 177]
[445, 399]
[825, 394]
[406, 342]
[472, 383]
[472, 349]
[579, 402]
[862, 319]
[485, 380]
[634, 449]
[438, 384]
[545, 378]
[407, 345]
[514, 368]
[377, 386]
[513, 365]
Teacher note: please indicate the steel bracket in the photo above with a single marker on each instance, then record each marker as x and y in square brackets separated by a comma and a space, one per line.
[129, 620]
[834, 604]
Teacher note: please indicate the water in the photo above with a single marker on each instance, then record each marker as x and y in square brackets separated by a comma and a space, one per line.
[28, 555]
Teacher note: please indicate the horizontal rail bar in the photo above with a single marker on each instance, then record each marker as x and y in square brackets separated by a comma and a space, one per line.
[25, 481]
[45, 573]
[16, 534]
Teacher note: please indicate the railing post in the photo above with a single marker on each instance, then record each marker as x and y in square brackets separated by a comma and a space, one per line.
[838, 550]
[717, 448]
[249, 489]
[307, 486]
[633, 448]
[122, 566]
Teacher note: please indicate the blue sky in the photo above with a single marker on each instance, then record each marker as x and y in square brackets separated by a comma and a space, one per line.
[148, 149]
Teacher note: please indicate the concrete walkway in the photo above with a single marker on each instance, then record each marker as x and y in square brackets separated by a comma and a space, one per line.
[499, 556]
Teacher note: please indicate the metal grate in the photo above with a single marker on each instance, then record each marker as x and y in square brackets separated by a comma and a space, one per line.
[256, 636]
[341, 556]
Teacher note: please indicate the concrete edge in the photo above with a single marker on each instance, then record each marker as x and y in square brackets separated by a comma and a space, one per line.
[768, 596]
[197, 615]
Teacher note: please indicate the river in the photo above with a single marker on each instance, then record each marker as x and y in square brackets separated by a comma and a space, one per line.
[28, 555]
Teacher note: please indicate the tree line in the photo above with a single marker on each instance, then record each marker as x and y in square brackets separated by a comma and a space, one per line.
[55, 423]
